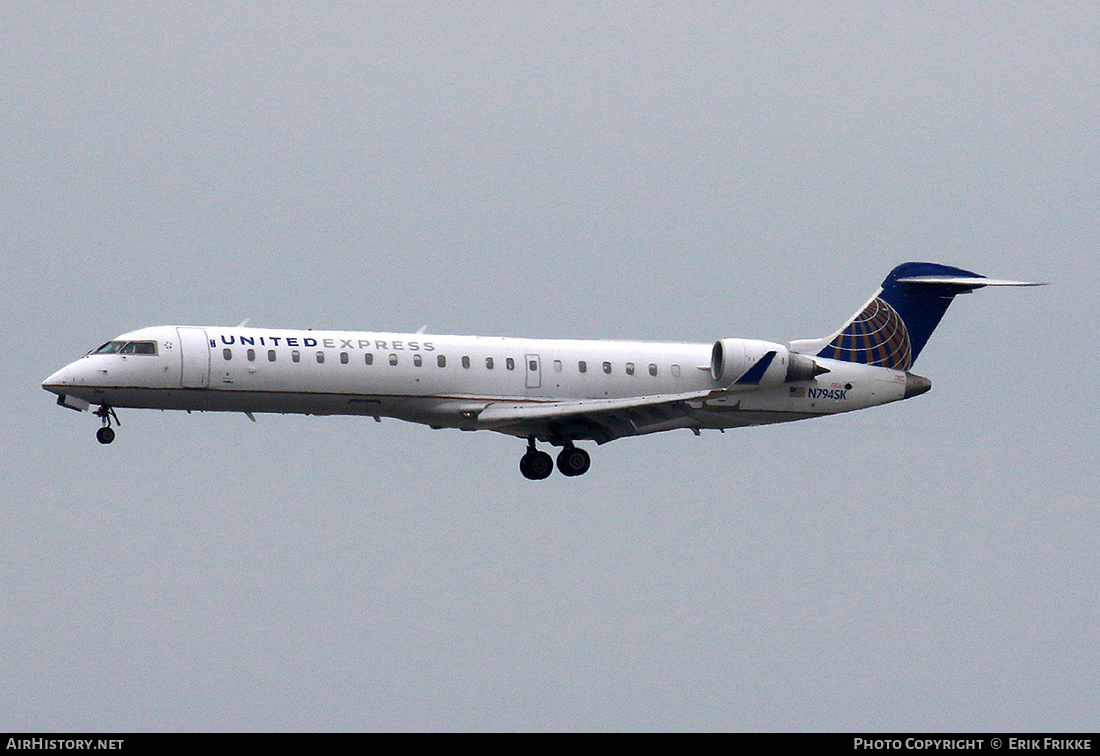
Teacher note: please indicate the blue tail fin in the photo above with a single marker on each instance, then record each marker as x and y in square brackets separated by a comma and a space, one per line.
[892, 329]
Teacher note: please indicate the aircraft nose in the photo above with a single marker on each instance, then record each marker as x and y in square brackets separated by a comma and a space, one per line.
[68, 377]
[60, 379]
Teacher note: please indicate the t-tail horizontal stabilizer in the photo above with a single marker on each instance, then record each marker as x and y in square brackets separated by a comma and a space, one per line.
[970, 282]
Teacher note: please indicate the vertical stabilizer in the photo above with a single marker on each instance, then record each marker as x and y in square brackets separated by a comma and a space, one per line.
[893, 327]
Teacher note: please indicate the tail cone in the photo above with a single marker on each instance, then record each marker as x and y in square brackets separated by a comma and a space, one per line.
[915, 385]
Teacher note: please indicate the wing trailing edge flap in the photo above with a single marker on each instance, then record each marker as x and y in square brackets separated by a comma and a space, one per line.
[504, 412]
[601, 420]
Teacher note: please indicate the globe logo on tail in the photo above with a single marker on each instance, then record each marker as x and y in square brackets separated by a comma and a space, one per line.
[876, 336]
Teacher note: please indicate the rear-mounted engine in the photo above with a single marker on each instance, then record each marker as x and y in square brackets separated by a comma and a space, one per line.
[751, 361]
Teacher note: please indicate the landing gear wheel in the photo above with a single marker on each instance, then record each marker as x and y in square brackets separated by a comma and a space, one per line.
[106, 434]
[536, 465]
[573, 461]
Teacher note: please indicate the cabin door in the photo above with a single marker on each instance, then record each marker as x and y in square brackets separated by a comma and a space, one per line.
[195, 358]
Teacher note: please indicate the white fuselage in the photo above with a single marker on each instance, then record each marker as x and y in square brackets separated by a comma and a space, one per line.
[448, 381]
[557, 391]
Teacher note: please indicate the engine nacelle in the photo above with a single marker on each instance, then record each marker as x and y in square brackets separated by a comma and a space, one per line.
[755, 362]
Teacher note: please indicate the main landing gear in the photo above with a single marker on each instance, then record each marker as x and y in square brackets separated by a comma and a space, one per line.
[537, 465]
[106, 434]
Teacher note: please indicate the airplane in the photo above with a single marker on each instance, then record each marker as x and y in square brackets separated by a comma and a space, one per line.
[555, 391]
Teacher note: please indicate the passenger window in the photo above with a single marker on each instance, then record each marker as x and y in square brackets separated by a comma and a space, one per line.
[251, 354]
[440, 360]
[227, 353]
[607, 368]
[582, 367]
[557, 366]
[343, 358]
[465, 362]
[533, 366]
[675, 371]
[488, 363]
[320, 357]
[295, 356]
[393, 359]
[652, 369]
[630, 368]
[369, 358]
[270, 355]
[418, 360]
[510, 364]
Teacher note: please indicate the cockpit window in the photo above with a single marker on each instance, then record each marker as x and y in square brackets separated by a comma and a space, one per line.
[127, 347]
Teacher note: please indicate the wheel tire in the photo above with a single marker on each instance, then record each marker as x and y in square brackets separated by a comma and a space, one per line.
[105, 435]
[573, 461]
[536, 465]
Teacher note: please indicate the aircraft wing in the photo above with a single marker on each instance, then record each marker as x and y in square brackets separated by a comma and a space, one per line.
[600, 420]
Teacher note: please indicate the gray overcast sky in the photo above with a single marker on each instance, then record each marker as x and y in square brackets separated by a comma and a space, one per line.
[684, 171]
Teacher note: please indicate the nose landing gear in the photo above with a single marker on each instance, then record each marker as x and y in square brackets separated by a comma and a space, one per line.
[106, 434]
